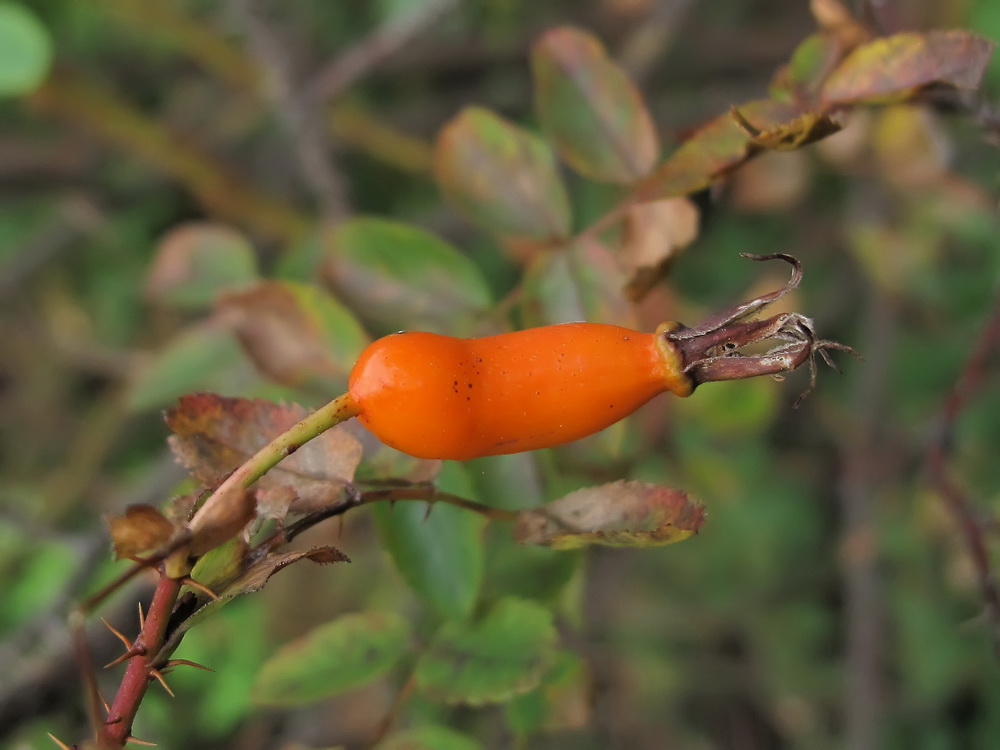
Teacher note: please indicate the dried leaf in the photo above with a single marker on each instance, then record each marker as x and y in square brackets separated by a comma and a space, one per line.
[892, 68]
[621, 514]
[142, 528]
[219, 521]
[213, 435]
[714, 150]
[294, 332]
[591, 109]
[501, 176]
[790, 135]
[249, 580]
[653, 233]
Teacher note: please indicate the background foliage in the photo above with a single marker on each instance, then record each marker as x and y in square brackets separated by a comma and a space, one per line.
[829, 601]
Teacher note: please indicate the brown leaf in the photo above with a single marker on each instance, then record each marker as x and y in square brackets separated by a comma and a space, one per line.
[621, 514]
[218, 522]
[653, 234]
[792, 134]
[892, 68]
[213, 435]
[773, 182]
[281, 332]
[142, 528]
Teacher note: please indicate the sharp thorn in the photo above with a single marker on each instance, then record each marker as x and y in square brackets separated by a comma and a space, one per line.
[59, 742]
[188, 581]
[186, 663]
[158, 676]
[137, 741]
[117, 633]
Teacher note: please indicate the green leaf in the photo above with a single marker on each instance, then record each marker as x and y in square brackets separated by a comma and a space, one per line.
[490, 661]
[437, 550]
[891, 68]
[591, 109]
[428, 738]
[332, 658]
[203, 357]
[502, 177]
[196, 261]
[581, 283]
[561, 702]
[25, 50]
[398, 276]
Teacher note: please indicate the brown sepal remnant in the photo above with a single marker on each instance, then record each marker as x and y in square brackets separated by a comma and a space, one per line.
[711, 352]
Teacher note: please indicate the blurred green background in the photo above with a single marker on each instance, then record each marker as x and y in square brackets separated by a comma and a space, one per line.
[829, 601]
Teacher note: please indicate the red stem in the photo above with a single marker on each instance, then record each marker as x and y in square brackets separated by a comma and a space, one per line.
[137, 675]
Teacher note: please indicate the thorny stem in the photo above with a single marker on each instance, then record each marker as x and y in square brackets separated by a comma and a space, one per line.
[138, 673]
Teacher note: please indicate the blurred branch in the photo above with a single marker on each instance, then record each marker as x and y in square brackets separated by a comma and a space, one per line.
[355, 62]
[299, 113]
[863, 596]
[967, 385]
[223, 193]
[349, 122]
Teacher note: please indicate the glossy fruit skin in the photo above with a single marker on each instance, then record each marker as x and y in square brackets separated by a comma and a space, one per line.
[435, 396]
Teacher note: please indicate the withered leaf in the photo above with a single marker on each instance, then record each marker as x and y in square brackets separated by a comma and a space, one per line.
[250, 579]
[891, 68]
[213, 435]
[142, 528]
[653, 234]
[714, 150]
[620, 514]
[802, 129]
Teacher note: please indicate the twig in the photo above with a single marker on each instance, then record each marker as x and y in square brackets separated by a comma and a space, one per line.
[969, 382]
[299, 114]
[86, 103]
[352, 64]
[862, 583]
[137, 675]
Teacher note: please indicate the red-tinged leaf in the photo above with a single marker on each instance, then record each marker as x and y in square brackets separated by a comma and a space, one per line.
[810, 64]
[583, 282]
[621, 514]
[142, 528]
[591, 109]
[196, 261]
[892, 68]
[501, 176]
[715, 149]
[395, 274]
[294, 333]
[213, 435]
[653, 235]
